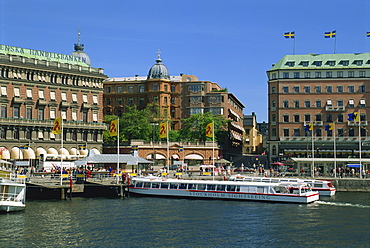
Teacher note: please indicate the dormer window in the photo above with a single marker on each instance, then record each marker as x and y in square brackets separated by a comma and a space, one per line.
[344, 62]
[317, 63]
[290, 63]
[304, 63]
[331, 63]
[358, 62]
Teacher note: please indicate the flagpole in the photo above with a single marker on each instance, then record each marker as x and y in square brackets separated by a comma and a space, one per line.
[61, 151]
[294, 46]
[335, 43]
[335, 152]
[359, 142]
[313, 152]
[168, 150]
[213, 147]
[118, 150]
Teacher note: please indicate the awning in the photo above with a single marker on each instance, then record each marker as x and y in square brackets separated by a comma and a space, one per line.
[175, 156]
[5, 154]
[73, 151]
[354, 165]
[40, 151]
[15, 153]
[52, 151]
[194, 156]
[157, 156]
[63, 151]
[29, 154]
[96, 151]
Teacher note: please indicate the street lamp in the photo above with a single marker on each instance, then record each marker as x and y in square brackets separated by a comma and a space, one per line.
[153, 154]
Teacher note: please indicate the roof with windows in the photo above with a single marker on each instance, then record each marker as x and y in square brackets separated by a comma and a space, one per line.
[323, 61]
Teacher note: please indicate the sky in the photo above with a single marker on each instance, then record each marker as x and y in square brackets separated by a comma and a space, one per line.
[230, 42]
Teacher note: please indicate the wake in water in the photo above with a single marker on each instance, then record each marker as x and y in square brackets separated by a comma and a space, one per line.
[342, 204]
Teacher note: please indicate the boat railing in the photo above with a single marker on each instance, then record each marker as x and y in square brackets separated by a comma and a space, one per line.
[9, 197]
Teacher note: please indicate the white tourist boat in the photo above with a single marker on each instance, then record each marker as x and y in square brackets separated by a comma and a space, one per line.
[324, 187]
[12, 195]
[232, 190]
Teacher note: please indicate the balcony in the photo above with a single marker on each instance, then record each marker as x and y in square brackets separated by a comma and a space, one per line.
[17, 100]
[315, 123]
[355, 123]
[335, 108]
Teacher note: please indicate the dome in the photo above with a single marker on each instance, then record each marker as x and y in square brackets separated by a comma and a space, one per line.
[79, 53]
[158, 70]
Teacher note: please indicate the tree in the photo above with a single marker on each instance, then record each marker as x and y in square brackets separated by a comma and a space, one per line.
[194, 127]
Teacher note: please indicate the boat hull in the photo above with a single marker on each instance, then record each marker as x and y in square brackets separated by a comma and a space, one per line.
[226, 195]
[6, 207]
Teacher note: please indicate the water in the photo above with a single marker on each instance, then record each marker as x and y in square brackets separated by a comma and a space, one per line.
[340, 221]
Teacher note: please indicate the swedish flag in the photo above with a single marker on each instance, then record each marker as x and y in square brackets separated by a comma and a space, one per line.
[289, 35]
[367, 34]
[330, 34]
[308, 127]
[329, 127]
[181, 148]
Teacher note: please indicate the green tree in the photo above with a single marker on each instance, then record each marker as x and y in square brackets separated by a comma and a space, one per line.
[194, 127]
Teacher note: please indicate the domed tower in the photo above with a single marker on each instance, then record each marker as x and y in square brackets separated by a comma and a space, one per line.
[158, 70]
[79, 50]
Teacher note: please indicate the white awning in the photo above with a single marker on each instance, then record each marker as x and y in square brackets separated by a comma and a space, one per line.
[175, 156]
[52, 151]
[63, 151]
[73, 151]
[157, 156]
[96, 151]
[194, 156]
[15, 153]
[29, 154]
[40, 151]
[5, 154]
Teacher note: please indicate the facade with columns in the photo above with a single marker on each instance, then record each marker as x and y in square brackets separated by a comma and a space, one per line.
[36, 88]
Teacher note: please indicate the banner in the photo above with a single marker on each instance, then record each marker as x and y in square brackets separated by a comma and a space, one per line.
[163, 130]
[57, 129]
[209, 130]
[113, 128]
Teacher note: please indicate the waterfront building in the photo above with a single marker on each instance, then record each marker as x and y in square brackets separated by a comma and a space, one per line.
[252, 137]
[310, 98]
[177, 98]
[36, 88]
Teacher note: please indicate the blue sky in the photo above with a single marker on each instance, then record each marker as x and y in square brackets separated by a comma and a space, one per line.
[231, 42]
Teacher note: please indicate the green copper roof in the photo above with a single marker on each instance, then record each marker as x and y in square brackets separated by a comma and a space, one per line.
[323, 61]
[42, 55]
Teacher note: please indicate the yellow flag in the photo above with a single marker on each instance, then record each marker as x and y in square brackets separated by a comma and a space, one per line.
[209, 130]
[113, 128]
[357, 116]
[163, 130]
[57, 129]
[311, 126]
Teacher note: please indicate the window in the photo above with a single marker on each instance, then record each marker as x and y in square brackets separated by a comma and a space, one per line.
[318, 117]
[329, 89]
[155, 99]
[141, 89]
[296, 75]
[296, 89]
[273, 90]
[329, 118]
[286, 104]
[95, 117]
[274, 118]
[52, 96]
[119, 101]
[286, 118]
[119, 89]
[273, 103]
[84, 98]
[331, 63]
[362, 117]
[296, 103]
[107, 89]
[165, 87]
[296, 132]
[196, 88]
[340, 103]
[318, 89]
[40, 114]
[340, 132]
[195, 111]
[130, 101]
[362, 74]
[329, 74]
[317, 63]
[304, 63]
[17, 92]
[362, 88]
[74, 97]
[95, 100]
[130, 89]
[307, 103]
[16, 112]
[286, 132]
[107, 101]
[318, 103]
[285, 89]
[307, 74]
[141, 101]
[64, 96]
[318, 74]
[3, 111]
[340, 74]
[340, 89]
[173, 88]
[362, 103]
[344, 62]
[318, 132]
[29, 94]
[74, 116]
[340, 117]
[173, 100]
[41, 94]
[29, 113]
[329, 102]
[52, 114]
[307, 117]
[285, 74]
[351, 103]
[155, 87]
[296, 118]
[64, 115]
[165, 100]
[290, 63]
[307, 89]
[351, 74]
[358, 62]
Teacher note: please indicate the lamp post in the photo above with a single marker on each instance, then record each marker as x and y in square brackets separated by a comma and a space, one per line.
[153, 154]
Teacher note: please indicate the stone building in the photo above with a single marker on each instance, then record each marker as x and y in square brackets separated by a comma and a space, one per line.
[310, 97]
[177, 98]
[36, 88]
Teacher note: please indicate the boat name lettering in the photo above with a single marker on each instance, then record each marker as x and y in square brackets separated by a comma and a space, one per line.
[229, 195]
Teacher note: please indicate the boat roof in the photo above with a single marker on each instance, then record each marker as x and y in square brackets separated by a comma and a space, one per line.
[282, 179]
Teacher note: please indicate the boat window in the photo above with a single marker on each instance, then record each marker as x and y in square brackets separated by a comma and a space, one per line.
[317, 185]
[182, 186]
[266, 180]
[201, 187]
[260, 189]
[275, 180]
[231, 188]
[155, 185]
[146, 185]
[211, 187]
[139, 184]
[221, 187]
[191, 186]
[174, 185]
[248, 179]
[164, 185]
[237, 188]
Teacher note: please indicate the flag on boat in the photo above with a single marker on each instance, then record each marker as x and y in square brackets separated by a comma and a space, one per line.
[113, 131]
[163, 130]
[289, 35]
[209, 130]
[57, 129]
[330, 126]
[330, 34]
[308, 127]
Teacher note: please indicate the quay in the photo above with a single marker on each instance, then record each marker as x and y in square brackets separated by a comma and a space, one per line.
[46, 186]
